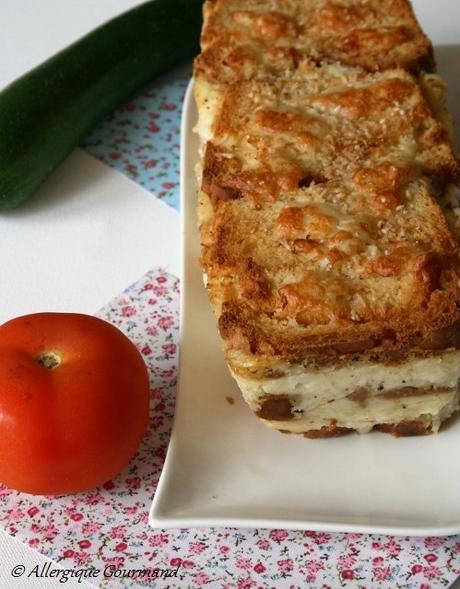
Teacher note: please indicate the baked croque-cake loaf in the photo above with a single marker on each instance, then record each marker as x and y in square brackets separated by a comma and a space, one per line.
[329, 214]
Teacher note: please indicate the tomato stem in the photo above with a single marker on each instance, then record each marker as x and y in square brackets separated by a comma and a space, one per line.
[49, 360]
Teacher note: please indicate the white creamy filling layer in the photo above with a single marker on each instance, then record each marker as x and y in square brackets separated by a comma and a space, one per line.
[312, 388]
[346, 413]
[209, 100]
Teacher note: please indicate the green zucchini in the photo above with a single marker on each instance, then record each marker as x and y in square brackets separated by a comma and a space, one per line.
[46, 112]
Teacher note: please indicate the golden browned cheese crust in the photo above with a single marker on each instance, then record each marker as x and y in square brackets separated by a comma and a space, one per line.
[373, 130]
[330, 175]
[240, 36]
[329, 225]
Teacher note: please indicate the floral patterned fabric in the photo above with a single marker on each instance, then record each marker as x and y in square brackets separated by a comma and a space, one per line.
[108, 527]
[141, 139]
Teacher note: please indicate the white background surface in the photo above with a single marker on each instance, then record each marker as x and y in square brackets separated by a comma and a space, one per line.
[89, 232]
[98, 231]
[85, 236]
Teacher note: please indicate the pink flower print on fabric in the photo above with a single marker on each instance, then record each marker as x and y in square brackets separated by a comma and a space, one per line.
[141, 139]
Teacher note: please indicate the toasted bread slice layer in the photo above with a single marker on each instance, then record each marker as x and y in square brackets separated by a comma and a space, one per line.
[328, 213]
[241, 38]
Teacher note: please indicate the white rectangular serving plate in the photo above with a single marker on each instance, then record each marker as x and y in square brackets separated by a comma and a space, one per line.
[224, 468]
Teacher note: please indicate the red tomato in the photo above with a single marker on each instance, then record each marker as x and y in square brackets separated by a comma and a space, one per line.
[74, 402]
